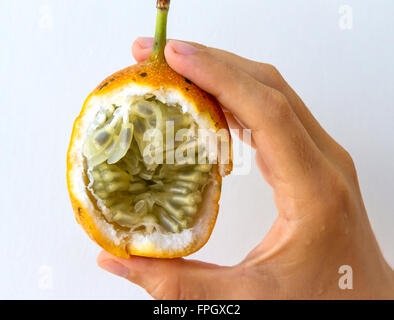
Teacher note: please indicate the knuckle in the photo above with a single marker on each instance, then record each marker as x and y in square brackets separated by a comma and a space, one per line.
[340, 189]
[349, 163]
[346, 164]
[338, 195]
[164, 290]
[277, 106]
[273, 76]
[272, 70]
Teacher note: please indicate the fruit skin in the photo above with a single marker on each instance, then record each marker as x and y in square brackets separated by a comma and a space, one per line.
[159, 74]
[154, 74]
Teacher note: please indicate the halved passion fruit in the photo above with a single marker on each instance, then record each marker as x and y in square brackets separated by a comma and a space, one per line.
[146, 158]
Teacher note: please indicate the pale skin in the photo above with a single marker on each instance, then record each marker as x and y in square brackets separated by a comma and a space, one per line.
[322, 223]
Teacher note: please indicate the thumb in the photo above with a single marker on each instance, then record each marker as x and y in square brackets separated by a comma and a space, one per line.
[169, 279]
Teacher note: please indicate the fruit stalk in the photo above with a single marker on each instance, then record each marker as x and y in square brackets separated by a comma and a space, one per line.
[161, 31]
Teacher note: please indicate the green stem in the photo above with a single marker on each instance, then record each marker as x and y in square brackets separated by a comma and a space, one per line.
[161, 31]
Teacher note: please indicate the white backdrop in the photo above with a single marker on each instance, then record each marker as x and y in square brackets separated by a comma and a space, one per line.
[53, 53]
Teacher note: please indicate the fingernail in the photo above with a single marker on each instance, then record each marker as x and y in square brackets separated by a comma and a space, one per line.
[115, 268]
[145, 42]
[182, 47]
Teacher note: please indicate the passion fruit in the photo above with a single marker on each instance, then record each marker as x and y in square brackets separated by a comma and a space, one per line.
[142, 178]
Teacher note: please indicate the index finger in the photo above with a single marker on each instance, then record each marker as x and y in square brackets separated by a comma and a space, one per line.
[280, 137]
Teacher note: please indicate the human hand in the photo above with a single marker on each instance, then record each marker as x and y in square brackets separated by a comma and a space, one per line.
[322, 223]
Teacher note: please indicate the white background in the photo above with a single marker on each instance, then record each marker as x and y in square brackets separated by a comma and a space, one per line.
[53, 53]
